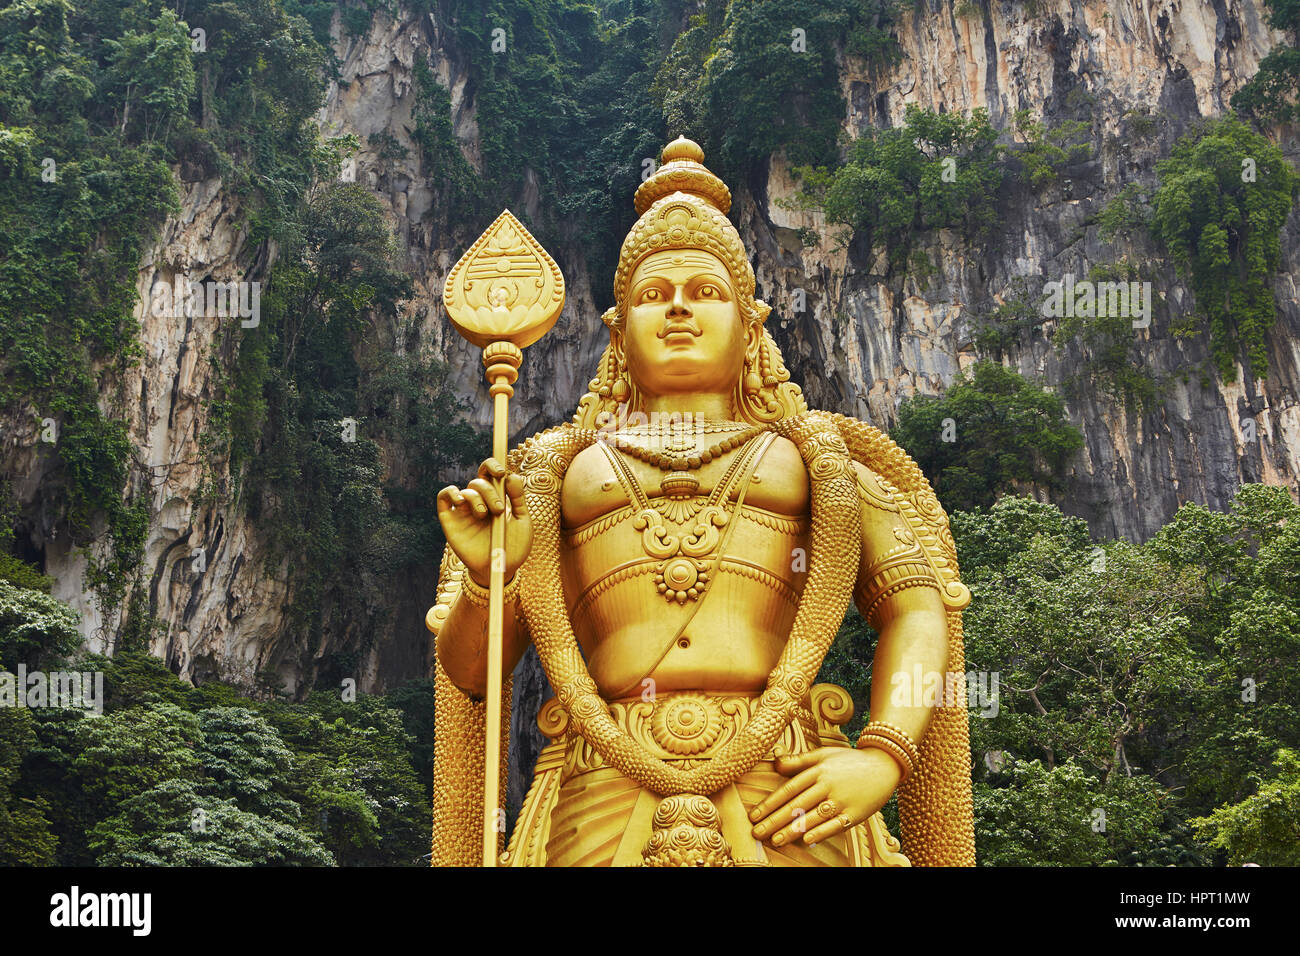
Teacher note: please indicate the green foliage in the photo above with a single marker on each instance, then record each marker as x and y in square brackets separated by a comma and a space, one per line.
[1048, 151]
[1007, 430]
[1124, 215]
[176, 775]
[173, 824]
[1062, 816]
[938, 171]
[449, 172]
[25, 835]
[355, 782]
[112, 94]
[1112, 357]
[1273, 93]
[848, 664]
[34, 627]
[1249, 629]
[743, 82]
[1224, 194]
[1001, 330]
[1155, 682]
[988, 540]
[172, 774]
[562, 103]
[244, 759]
[1265, 827]
[125, 752]
[75, 233]
[1091, 646]
[317, 385]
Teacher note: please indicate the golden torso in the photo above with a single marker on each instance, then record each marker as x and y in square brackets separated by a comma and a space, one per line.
[728, 636]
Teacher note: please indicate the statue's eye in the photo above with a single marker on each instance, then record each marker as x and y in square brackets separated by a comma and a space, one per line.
[650, 295]
[709, 292]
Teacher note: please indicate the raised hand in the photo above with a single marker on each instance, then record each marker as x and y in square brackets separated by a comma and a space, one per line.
[466, 518]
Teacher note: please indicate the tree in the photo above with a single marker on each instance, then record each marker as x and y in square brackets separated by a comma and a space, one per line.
[244, 760]
[1063, 816]
[989, 431]
[937, 171]
[753, 77]
[174, 824]
[354, 779]
[128, 751]
[1247, 629]
[1225, 192]
[153, 73]
[34, 627]
[1264, 828]
[1091, 650]
[26, 838]
[1272, 91]
[1166, 673]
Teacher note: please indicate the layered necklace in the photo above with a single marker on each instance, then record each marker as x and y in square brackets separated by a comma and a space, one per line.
[679, 455]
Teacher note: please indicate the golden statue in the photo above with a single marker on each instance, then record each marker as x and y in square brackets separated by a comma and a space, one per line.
[682, 555]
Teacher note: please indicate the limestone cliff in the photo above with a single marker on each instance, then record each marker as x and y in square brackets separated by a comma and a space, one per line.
[866, 339]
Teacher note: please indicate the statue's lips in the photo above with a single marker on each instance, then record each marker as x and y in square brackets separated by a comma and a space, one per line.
[676, 331]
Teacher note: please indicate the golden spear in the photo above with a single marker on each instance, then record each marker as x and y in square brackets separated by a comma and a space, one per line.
[503, 295]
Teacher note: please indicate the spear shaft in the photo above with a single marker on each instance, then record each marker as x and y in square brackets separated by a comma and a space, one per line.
[501, 360]
[503, 295]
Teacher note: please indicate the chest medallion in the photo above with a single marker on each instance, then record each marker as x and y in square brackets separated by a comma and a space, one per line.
[683, 531]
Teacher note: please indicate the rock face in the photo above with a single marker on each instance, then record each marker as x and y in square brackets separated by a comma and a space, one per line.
[1083, 61]
[865, 339]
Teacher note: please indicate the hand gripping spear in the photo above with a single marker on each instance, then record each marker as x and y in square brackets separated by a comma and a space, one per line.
[503, 295]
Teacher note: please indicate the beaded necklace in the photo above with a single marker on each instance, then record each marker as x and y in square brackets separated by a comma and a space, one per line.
[678, 459]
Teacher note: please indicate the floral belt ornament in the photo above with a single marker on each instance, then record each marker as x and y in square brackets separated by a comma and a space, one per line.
[686, 725]
[688, 728]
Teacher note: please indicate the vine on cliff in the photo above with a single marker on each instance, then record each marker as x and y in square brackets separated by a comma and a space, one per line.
[1225, 192]
[937, 171]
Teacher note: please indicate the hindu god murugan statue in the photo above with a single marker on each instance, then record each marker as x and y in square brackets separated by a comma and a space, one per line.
[682, 554]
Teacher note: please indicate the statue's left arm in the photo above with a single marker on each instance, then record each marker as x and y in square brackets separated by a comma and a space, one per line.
[899, 595]
[897, 591]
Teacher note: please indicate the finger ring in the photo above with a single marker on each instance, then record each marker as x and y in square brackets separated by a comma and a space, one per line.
[827, 809]
[844, 821]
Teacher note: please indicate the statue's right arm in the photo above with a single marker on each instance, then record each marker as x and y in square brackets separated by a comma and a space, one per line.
[466, 517]
[463, 641]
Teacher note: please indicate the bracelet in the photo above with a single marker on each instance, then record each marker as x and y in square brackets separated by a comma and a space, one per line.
[895, 734]
[479, 596]
[889, 747]
[893, 741]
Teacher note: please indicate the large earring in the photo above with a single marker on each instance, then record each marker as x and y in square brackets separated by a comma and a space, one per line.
[753, 381]
[620, 390]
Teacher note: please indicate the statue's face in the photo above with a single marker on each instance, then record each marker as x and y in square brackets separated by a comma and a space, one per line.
[683, 332]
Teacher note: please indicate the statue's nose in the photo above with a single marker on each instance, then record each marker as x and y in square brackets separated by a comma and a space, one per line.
[678, 305]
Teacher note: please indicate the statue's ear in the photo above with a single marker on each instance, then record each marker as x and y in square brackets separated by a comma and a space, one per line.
[753, 342]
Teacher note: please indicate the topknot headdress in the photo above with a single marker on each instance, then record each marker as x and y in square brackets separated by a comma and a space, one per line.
[684, 206]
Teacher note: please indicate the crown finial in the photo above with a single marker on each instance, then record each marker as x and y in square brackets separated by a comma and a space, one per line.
[683, 148]
[682, 170]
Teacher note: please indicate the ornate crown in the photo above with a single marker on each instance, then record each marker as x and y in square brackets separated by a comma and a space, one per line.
[684, 206]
